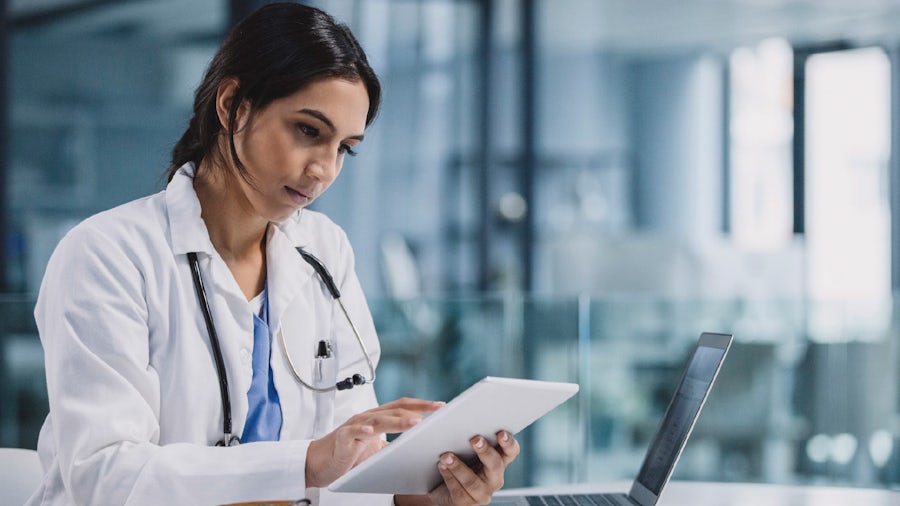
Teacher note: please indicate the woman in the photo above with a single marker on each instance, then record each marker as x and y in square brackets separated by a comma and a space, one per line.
[142, 307]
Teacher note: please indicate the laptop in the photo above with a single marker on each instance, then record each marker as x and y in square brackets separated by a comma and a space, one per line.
[666, 446]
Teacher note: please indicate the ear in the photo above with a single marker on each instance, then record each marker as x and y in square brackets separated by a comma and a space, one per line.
[224, 99]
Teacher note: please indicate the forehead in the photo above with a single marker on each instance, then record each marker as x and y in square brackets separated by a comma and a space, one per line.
[344, 102]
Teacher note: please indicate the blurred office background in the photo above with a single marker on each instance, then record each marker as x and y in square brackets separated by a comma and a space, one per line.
[555, 189]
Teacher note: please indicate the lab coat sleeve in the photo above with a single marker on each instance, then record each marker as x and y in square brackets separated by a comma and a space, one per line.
[104, 394]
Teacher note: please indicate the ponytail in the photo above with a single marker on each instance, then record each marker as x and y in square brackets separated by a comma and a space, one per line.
[187, 149]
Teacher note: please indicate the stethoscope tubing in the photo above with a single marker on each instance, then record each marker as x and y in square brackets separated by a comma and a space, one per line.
[230, 439]
[329, 388]
[214, 342]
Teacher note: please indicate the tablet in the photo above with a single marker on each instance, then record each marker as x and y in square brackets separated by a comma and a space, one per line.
[409, 464]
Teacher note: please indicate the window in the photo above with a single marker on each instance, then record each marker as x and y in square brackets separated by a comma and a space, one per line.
[761, 132]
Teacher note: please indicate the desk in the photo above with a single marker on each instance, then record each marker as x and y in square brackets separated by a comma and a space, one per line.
[688, 493]
[695, 493]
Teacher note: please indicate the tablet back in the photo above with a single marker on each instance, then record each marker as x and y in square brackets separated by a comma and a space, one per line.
[409, 464]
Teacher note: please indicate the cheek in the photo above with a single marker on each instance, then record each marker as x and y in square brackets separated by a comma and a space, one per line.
[267, 151]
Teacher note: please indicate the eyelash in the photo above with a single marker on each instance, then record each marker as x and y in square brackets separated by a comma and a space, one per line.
[313, 132]
[307, 130]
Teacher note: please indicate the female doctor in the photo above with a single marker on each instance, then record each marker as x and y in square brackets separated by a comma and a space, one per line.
[180, 324]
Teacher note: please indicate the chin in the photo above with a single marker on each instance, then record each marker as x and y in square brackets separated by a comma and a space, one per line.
[282, 215]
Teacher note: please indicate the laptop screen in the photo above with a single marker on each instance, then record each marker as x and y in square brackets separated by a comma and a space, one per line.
[680, 416]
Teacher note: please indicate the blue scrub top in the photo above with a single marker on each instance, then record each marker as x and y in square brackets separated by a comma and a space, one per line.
[264, 414]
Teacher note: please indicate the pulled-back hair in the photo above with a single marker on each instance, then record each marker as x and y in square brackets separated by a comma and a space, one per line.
[274, 52]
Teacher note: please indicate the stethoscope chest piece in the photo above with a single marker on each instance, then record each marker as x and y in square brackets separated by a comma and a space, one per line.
[228, 440]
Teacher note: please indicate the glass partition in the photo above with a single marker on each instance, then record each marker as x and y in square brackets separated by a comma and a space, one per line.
[794, 402]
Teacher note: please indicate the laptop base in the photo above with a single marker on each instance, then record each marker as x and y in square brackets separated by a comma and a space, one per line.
[566, 500]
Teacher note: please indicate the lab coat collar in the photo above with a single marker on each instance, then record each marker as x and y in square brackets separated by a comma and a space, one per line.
[187, 229]
[287, 272]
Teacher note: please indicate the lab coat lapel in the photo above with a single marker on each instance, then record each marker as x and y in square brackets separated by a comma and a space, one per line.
[234, 325]
[287, 274]
[295, 306]
[228, 307]
[186, 227]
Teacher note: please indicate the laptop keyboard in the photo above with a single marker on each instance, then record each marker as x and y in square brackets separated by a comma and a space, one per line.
[579, 500]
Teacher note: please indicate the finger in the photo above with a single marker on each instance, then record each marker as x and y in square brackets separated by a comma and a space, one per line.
[396, 408]
[475, 488]
[492, 463]
[509, 446]
[456, 490]
[355, 432]
[390, 422]
[411, 404]
[352, 440]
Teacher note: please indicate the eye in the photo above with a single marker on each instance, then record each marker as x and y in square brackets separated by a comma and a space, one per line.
[346, 150]
[309, 131]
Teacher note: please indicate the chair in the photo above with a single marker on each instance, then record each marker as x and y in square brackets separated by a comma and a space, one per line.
[20, 475]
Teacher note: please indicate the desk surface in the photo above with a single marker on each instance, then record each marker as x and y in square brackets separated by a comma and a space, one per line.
[688, 493]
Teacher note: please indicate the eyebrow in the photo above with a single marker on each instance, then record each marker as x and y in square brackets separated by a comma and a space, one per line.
[324, 119]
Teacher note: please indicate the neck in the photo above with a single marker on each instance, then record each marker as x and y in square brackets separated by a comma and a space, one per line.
[236, 231]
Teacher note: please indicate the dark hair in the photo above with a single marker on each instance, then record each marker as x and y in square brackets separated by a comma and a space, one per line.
[275, 51]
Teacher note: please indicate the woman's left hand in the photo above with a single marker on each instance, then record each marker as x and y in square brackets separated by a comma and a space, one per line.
[465, 486]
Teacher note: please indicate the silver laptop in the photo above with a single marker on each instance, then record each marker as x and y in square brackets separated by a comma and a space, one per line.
[665, 449]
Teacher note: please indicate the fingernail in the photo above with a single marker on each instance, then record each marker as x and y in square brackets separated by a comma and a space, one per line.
[479, 443]
[447, 460]
[504, 436]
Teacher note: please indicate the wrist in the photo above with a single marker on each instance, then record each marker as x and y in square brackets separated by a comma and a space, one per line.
[311, 477]
[412, 500]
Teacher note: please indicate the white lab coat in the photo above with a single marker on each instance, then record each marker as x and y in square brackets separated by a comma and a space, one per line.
[135, 407]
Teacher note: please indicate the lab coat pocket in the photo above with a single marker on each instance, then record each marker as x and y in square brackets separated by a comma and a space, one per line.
[324, 367]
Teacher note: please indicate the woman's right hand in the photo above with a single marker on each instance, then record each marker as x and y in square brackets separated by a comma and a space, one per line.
[360, 437]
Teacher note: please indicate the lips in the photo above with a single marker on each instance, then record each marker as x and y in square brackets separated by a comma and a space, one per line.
[300, 198]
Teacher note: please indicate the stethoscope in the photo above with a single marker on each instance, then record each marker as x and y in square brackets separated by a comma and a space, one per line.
[228, 438]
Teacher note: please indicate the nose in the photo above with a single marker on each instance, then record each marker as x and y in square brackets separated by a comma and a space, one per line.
[324, 165]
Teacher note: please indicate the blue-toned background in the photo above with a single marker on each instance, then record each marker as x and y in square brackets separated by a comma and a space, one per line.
[555, 189]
